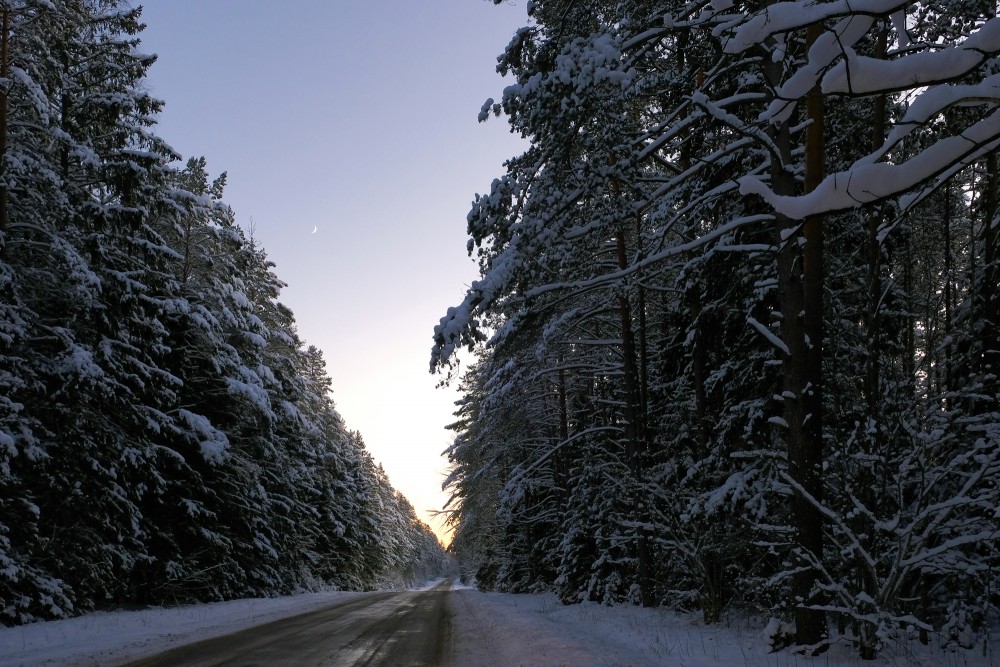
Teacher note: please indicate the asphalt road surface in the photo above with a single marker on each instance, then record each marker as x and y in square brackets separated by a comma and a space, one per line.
[403, 629]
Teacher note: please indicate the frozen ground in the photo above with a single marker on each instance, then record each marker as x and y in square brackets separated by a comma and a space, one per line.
[489, 629]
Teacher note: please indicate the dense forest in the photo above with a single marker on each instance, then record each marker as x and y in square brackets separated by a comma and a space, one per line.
[165, 435]
[737, 332]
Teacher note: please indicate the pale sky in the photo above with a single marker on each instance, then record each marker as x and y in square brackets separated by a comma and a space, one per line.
[357, 117]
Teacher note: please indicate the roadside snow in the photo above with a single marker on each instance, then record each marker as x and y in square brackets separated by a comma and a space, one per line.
[103, 639]
[497, 629]
[429, 585]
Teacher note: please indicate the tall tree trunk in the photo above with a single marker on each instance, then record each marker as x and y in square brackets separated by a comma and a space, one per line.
[874, 257]
[634, 432]
[910, 342]
[989, 310]
[4, 107]
[698, 367]
[647, 433]
[989, 286]
[800, 276]
[945, 373]
[561, 465]
[872, 380]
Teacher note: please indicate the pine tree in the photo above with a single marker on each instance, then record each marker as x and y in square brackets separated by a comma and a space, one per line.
[680, 244]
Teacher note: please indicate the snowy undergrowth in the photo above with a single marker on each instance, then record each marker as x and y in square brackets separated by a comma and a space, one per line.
[537, 630]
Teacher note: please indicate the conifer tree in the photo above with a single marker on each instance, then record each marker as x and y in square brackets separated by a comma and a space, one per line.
[764, 399]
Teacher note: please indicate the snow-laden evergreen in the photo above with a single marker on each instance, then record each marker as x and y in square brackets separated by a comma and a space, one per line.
[165, 435]
[737, 316]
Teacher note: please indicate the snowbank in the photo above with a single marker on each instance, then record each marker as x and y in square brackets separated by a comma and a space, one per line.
[496, 629]
[103, 639]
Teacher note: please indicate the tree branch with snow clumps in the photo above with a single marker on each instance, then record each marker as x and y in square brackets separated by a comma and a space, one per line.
[863, 75]
[867, 183]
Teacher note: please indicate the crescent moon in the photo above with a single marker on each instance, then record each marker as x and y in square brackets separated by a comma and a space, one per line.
[315, 229]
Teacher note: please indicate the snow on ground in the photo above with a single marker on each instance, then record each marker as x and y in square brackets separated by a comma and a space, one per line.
[488, 629]
[109, 638]
[429, 585]
[538, 631]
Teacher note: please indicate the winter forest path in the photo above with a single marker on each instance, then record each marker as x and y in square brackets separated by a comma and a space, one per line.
[400, 629]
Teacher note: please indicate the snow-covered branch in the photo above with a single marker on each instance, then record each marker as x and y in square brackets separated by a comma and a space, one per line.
[864, 75]
[868, 183]
[784, 17]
